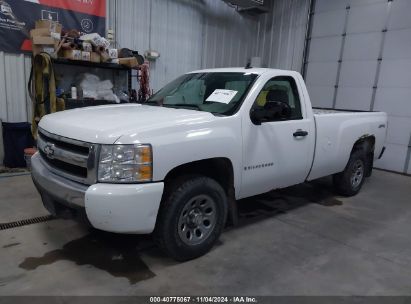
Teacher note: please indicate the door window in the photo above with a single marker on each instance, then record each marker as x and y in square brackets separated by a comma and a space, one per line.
[282, 89]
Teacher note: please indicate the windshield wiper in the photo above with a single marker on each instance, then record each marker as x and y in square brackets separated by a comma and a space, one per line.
[177, 105]
[150, 102]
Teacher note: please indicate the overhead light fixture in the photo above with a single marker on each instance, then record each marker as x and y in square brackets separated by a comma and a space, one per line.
[151, 55]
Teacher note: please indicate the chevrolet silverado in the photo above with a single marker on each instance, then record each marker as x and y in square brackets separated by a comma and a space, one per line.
[175, 165]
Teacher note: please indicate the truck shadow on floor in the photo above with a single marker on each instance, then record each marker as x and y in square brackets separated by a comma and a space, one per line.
[119, 255]
[280, 201]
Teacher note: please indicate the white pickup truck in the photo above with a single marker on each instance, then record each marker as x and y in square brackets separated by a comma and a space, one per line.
[176, 165]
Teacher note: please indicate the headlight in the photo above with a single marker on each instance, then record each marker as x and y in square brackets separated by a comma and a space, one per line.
[125, 163]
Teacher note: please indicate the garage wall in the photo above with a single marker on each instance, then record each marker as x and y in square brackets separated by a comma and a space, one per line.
[228, 37]
[360, 58]
[209, 33]
[170, 27]
[14, 76]
[281, 34]
[189, 34]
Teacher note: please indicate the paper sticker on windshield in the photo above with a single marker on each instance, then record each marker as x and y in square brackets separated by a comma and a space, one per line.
[223, 96]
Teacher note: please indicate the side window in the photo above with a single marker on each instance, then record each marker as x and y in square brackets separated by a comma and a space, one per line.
[281, 89]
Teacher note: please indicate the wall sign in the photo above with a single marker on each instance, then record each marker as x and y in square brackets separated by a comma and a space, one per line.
[17, 18]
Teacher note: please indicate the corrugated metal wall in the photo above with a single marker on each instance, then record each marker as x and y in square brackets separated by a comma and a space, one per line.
[189, 34]
[15, 104]
[174, 31]
[281, 34]
[205, 34]
[229, 38]
[14, 75]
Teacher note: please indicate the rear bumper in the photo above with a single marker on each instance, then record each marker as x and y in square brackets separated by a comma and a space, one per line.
[121, 208]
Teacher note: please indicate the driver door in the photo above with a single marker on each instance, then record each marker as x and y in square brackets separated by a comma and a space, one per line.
[278, 152]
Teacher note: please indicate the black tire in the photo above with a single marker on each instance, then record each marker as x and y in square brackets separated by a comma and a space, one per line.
[178, 234]
[350, 181]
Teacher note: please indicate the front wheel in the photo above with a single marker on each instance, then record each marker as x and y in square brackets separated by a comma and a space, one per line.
[350, 181]
[191, 218]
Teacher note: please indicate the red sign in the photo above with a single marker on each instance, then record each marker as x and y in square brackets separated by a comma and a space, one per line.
[18, 17]
[89, 7]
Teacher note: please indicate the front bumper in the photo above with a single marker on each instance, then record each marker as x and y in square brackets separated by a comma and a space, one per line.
[58, 189]
[122, 208]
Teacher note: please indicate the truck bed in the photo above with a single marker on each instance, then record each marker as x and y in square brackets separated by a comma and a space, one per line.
[323, 111]
[336, 131]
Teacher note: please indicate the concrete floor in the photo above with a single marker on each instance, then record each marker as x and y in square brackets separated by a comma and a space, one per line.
[298, 241]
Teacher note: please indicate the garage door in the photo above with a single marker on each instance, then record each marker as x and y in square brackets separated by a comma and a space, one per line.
[359, 58]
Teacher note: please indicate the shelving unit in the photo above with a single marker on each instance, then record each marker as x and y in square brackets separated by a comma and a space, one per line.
[67, 70]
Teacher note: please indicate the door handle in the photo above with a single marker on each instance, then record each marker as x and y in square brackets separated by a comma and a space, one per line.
[299, 133]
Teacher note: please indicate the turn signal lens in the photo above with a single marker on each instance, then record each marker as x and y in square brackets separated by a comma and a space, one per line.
[145, 154]
[146, 172]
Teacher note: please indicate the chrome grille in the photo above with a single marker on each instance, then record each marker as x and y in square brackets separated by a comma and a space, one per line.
[73, 159]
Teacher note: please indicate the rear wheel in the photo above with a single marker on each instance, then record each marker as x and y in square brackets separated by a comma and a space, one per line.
[191, 218]
[350, 181]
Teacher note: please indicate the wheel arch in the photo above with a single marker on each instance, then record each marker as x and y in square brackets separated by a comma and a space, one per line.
[218, 168]
[366, 143]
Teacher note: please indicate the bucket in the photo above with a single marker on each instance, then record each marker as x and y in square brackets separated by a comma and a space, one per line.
[28, 153]
[16, 137]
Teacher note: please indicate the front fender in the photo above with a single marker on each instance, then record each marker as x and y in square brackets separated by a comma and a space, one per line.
[179, 144]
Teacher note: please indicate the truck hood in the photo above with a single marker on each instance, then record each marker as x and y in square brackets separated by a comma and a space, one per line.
[106, 124]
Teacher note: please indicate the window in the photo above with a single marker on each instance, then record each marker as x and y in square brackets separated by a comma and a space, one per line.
[197, 91]
[281, 89]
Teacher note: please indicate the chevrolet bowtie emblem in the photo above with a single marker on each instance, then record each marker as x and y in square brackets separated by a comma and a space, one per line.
[49, 150]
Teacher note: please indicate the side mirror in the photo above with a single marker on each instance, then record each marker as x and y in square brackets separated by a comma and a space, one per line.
[257, 115]
[272, 111]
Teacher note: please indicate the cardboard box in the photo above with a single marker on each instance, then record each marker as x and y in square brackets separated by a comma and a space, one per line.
[95, 57]
[113, 53]
[72, 54]
[130, 62]
[96, 40]
[44, 44]
[86, 56]
[42, 32]
[37, 49]
[53, 26]
[87, 47]
[104, 57]
[56, 36]
[40, 40]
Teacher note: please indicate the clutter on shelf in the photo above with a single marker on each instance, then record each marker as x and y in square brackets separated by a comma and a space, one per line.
[49, 37]
[92, 87]
[71, 70]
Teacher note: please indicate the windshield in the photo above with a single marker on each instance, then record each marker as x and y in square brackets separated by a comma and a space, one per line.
[219, 93]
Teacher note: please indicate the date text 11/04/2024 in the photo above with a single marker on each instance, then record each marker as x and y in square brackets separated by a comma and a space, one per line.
[199, 299]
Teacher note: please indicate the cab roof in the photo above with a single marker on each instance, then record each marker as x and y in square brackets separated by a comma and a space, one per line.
[257, 71]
